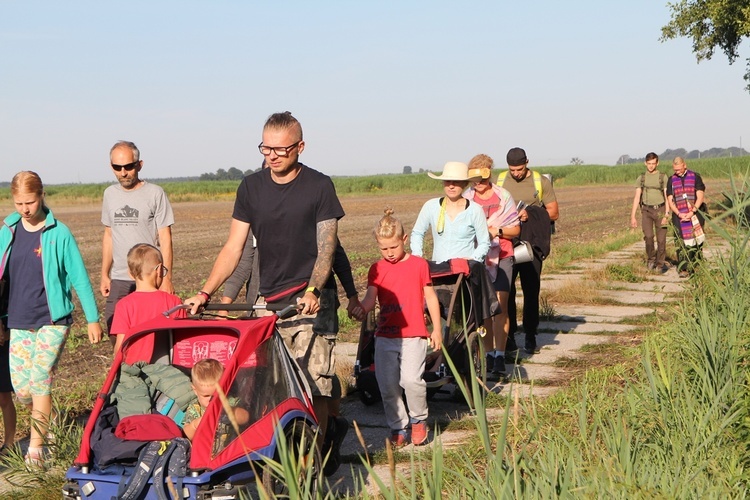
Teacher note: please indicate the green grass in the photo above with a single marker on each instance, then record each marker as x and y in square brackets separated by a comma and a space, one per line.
[566, 253]
[568, 175]
[669, 418]
[623, 272]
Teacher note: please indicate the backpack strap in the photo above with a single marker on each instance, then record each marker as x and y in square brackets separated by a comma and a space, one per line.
[538, 185]
[147, 461]
[162, 464]
[534, 174]
[643, 187]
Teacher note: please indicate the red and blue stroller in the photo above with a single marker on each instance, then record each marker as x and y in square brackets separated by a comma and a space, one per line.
[465, 300]
[259, 376]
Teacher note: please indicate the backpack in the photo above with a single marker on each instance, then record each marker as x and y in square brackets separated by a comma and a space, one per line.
[156, 459]
[662, 183]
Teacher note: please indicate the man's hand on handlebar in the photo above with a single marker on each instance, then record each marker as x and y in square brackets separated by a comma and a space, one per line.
[196, 302]
[309, 303]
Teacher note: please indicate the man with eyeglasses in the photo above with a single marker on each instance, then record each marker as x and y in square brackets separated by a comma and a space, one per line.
[293, 211]
[133, 211]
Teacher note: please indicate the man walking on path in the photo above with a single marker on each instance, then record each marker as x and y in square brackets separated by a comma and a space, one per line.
[133, 211]
[685, 195]
[651, 197]
[293, 211]
[539, 210]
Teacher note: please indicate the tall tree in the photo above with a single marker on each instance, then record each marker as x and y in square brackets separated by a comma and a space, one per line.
[711, 24]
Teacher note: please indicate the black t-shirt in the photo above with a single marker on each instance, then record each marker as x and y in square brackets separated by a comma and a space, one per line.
[284, 219]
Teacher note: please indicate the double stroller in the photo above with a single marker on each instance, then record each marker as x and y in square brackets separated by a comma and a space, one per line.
[225, 456]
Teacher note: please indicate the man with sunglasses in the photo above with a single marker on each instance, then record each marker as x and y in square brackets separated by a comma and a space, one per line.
[293, 212]
[133, 211]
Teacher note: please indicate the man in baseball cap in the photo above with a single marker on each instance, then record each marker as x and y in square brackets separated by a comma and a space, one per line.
[537, 208]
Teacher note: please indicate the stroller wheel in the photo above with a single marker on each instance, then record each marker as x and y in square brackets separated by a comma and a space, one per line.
[475, 380]
[300, 443]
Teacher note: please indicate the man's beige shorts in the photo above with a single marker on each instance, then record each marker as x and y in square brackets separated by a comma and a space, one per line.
[311, 344]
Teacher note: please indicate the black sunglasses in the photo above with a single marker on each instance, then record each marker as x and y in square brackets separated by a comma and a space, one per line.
[128, 167]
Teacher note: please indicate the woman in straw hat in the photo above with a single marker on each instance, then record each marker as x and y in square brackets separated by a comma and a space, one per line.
[459, 227]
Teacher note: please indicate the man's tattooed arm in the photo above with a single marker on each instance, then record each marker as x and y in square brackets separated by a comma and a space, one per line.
[327, 235]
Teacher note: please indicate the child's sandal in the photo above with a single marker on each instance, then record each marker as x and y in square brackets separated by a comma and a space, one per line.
[34, 458]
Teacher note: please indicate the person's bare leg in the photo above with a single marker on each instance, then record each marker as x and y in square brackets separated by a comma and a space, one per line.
[320, 405]
[489, 338]
[41, 407]
[9, 418]
[503, 321]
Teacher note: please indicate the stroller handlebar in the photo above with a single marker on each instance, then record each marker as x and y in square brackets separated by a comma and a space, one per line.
[283, 310]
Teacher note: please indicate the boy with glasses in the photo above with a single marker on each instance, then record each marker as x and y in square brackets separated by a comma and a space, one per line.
[133, 211]
[146, 267]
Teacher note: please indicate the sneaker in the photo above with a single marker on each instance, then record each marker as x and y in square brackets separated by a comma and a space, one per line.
[651, 266]
[498, 367]
[398, 439]
[419, 432]
[490, 362]
[335, 434]
[530, 344]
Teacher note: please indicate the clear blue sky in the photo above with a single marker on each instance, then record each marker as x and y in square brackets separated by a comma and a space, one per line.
[376, 85]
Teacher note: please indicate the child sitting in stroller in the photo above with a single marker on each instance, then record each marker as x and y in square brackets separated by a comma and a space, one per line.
[205, 375]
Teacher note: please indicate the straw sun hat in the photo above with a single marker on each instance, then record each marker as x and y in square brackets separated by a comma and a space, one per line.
[454, 171]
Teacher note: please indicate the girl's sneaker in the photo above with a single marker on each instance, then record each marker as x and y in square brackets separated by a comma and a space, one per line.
[398, 439]
[419, 432]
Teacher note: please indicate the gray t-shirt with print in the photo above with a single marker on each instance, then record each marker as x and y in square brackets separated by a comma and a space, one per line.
[134, 216]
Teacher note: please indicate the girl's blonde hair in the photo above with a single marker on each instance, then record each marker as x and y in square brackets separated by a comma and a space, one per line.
[28, 182]
[389, 226]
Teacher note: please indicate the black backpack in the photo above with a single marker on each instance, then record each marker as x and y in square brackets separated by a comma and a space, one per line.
[157, 459]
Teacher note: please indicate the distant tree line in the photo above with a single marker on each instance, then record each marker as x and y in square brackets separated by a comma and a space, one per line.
[409, 170]
[671, 154]
[233, 174]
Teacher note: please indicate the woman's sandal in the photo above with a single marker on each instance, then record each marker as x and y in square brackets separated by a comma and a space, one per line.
[35, 458]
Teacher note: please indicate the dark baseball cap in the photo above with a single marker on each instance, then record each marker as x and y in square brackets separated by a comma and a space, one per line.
[516, 157]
